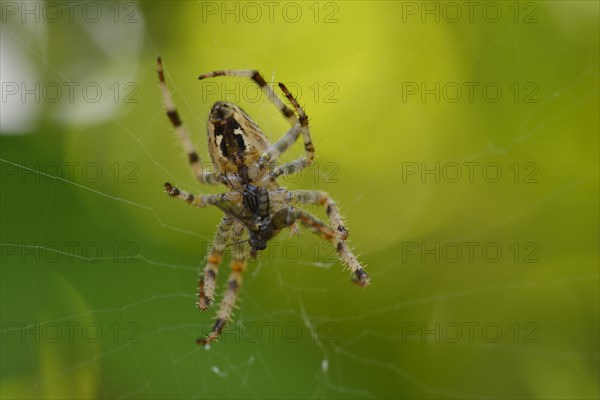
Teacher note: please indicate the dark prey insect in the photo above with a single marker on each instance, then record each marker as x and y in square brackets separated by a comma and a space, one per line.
[246, 164]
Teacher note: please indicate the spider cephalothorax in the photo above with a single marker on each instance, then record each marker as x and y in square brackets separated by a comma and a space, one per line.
[256, 215]
[245, 163]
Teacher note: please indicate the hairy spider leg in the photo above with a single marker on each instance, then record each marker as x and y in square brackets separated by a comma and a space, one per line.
[207, 279]
[201, 201]
[318, 227]
[234, 283]
[199, 171]
[309, 149]
[321, 198]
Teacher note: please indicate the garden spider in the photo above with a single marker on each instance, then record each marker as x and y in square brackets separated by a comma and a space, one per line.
[245, 163]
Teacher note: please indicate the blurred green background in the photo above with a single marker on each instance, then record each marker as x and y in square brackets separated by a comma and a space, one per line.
[460, 140]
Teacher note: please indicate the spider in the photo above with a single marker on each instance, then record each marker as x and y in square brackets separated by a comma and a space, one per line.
[245, 163]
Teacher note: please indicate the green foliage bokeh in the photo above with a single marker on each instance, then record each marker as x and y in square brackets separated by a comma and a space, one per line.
[380, 82]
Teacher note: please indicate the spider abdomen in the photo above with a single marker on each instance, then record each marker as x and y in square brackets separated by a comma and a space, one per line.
[234, 140]
[230, 138]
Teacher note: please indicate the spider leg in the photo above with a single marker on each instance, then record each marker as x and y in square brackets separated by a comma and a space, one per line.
[207, 280]
[290, 138]
[318, 227]
[198, 170]
[319, 198]
[279, 147]
[234, 282]
[309, 148]
[201, 201]
[289, 168]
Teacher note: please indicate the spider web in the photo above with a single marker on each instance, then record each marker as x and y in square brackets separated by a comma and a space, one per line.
[377, 342]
